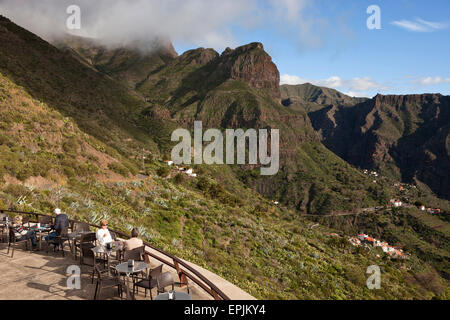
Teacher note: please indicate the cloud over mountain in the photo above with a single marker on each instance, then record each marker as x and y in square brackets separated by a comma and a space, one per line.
[206, 23]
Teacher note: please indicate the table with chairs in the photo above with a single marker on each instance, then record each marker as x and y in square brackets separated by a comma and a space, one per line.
[109, 266]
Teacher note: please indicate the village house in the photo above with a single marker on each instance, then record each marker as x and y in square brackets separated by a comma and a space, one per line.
[396, 203]
[433, 211]
[367, 240]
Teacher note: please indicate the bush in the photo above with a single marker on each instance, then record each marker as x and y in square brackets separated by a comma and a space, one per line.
[4, 140]
[203, 183]
[70, 146]
[179, 178]
[355, 275]
[163, 172]
[16, 190]
[118, 168]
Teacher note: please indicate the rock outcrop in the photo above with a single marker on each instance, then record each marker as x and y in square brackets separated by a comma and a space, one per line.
[251, 64]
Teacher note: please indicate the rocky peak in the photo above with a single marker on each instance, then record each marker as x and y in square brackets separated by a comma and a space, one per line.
[251, 64]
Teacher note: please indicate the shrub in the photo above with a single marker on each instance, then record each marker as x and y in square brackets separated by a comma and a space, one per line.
[163, 172]
[355, 276]
[179, 178]
[70, 146]
[4, 140]
[118, 168]
[429, 281]
[203, 183]
[16, 190]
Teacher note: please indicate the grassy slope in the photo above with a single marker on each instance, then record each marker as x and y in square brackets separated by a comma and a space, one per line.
[99, 105]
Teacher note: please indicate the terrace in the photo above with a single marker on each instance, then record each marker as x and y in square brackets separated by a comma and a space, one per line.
[37, 275]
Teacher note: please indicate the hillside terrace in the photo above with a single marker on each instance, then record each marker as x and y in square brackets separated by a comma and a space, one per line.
[38, 275]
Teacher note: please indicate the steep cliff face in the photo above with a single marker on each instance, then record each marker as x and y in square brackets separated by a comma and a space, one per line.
[406, 136]
[251, 64]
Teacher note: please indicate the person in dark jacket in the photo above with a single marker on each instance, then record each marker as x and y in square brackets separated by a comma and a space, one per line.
[61, 222]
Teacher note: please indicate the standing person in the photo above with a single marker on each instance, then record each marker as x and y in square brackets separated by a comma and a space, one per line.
[103, 234]
[61, 222]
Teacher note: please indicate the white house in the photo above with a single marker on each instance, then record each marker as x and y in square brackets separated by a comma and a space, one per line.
[398, 204]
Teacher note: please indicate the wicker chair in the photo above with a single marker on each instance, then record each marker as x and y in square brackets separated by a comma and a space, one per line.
[89, 259]
[86, 240]
[163, 281]
[136, 254]
[81, 226]
[13, 242]
[59, 240]
[3, 226]
[46, 220]
[149, 282]
[104, 281]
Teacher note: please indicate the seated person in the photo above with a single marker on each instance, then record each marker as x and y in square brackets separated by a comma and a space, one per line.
[61, 222]
[22, 234]
[134, 242]
[103, 234]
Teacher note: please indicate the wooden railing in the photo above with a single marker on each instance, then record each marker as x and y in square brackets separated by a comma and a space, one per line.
[183, 270]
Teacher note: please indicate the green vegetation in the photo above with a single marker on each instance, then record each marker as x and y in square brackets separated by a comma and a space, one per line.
[73, 138]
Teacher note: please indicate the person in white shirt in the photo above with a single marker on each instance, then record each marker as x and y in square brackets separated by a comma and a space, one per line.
[103, 234]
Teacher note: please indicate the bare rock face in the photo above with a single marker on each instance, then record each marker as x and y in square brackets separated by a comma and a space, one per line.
[251, 64]
[403, 135]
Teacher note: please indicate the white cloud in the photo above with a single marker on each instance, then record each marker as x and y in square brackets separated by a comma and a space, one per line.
[292, 80]
[207, 23]
[356, 87]
[420, 25]
[429, 81]
[202, 22]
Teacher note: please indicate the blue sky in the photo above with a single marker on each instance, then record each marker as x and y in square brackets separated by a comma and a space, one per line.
[410, 54]
[325, 42]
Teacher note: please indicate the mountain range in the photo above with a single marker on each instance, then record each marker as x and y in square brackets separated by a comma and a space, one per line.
[79, 118]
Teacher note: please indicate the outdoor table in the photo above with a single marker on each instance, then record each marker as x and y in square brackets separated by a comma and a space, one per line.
[116, 246]
[139, 266]
[177, 296]
[40, 230]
